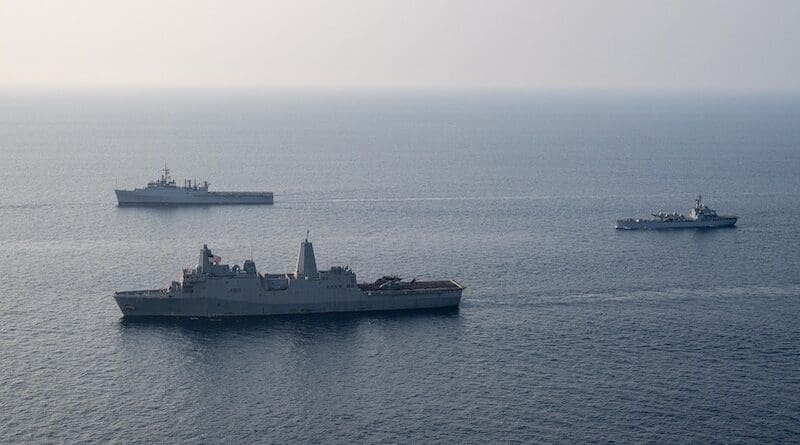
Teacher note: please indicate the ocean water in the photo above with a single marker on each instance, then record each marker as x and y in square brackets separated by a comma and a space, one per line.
[569, 331]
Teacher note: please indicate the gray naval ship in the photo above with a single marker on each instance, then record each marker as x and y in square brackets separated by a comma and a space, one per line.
[700, 217]
[213, 289]
[164, 191]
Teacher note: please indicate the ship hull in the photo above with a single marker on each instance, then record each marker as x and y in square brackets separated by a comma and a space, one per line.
[143, 305]
[189, 197]
[656, 225]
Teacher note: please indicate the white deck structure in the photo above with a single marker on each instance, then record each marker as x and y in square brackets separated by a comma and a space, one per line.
[700, 217]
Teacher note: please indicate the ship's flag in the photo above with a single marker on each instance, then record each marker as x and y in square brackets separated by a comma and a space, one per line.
[215, 259]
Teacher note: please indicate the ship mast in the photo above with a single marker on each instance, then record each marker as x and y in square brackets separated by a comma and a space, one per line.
[306, 263]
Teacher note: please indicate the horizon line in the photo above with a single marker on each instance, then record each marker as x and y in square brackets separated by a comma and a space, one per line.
[328, 89]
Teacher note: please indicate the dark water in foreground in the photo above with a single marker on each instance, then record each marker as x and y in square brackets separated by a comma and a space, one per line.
[569, 331]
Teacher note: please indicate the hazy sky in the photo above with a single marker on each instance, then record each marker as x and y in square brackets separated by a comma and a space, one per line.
[605, 44]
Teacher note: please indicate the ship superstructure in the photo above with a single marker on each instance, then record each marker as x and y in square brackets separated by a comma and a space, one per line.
[701, 216]
[165, 191]
[213, 289]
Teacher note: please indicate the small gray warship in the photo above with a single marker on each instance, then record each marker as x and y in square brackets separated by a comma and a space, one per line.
[700, 217]
[164, 191]
[213, 289]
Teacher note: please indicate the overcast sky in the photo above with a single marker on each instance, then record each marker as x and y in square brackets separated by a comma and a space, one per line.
[596, 44]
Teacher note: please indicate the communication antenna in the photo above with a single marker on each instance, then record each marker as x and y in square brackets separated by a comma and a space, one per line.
[307, 232]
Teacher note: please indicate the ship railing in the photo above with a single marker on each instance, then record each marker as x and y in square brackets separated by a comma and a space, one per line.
[144, 292]
[264, 194]
[414, 287]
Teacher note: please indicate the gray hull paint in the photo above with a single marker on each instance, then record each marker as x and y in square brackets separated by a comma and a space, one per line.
[142, 306]
[700, 217]
[653, 225]
[212, 289]
[156, 197]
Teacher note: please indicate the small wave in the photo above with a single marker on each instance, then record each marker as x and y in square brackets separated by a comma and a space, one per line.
[538, 298]
[50, 205]
[483, 198]
[26, 206]
[432, 198]
[299, 197]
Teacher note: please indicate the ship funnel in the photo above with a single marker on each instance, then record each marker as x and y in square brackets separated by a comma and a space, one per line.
[306, 264]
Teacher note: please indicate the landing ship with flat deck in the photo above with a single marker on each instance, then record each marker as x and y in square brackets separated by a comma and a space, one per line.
[213, 289]
[164, 191]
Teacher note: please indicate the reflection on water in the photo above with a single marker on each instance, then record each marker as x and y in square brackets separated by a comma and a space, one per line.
[569, 331]
[275, 323]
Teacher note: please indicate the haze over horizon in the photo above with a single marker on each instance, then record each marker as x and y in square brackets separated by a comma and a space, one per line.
[619, 44]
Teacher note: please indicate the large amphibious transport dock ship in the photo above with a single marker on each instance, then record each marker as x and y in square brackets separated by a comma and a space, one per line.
[701, 217]
[164, 191]
[213, 289]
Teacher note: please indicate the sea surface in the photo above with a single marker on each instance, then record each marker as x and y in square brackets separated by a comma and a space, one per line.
[568, 332]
